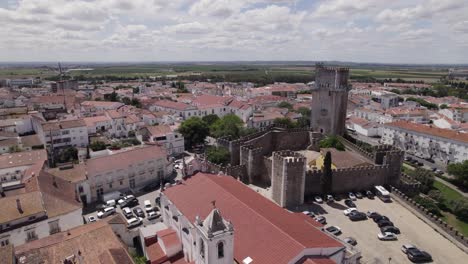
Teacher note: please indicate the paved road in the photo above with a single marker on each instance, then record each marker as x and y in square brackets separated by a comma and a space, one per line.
[413, 231]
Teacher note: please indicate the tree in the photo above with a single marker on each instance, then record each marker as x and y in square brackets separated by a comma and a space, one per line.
[461, 209]
[131, 133]
[127, 101]
[304, 111]
[210, 119]
[113, 97]
[285, 104]
[460, 171]
[135, 102]
[229, 125]
[97, 145]
[326, 182]
[218, 155]
[194, 130]
[284, 121]
[331, 142]
[443, 106]
[68, 154]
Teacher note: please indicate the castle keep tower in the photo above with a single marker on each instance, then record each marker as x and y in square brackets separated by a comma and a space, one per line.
[329, 100]
[288, 178]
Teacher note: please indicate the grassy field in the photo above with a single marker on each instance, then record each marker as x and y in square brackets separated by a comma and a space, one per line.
[453, 221]
[449, 193]
[229, 71]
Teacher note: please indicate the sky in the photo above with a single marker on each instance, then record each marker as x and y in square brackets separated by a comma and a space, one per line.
[382, 31]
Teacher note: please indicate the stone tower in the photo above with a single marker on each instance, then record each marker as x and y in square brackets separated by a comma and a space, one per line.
[329, 100]
[214, 239]
[288, 178]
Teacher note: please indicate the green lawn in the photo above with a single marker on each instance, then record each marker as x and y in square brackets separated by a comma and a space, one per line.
[453, 221]
[449, 193]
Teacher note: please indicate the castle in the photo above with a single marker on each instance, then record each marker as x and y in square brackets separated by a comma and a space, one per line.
[286, 159]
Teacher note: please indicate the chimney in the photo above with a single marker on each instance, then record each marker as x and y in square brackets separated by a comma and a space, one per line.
[18, 206]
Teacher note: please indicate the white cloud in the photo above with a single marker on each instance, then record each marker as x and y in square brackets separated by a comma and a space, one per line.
[364, 30]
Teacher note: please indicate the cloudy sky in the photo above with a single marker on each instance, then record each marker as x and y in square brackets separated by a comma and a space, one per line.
[388, 31]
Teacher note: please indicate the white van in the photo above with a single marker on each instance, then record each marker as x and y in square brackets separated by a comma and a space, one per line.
[127, 212]
[148, 206]
[110, 203]
[134, 221]
[106, 212]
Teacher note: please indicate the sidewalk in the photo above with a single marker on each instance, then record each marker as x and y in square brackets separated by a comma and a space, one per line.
[451, 186]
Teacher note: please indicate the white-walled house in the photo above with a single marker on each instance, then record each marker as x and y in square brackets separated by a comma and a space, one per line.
[64, 133]
[172, 140]
[427, 141]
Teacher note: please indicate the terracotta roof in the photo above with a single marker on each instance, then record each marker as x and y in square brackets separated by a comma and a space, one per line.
[430, 130]
[160, 130]
[102, 104]
[208, 100]
[64, 124]
[173, 105]
[58, 195]
[31, 204]
[9, 142]
[91, 121]
[155, 253]
[55, 248]
[22, 158]
[124, 159]
[168, 237]
[31, 141]
[74, 175]
[262, 230]
[7, 254]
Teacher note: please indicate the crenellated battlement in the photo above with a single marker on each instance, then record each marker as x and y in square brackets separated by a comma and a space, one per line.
[289, 156]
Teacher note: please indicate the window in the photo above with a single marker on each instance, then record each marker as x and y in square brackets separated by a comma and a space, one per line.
[202, 249]
[220, 250]
[4, 242]
[54, 227]
[80, 189]
[31, 235]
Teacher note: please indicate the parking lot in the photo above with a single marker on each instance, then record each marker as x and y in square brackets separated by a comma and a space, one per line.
[413, 231]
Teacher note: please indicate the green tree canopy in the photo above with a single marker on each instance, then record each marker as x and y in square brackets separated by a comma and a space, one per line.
[285, 104]
[229, 125]
[210, 119]
[218, 155]
[284, 121]
[304, 111]
[97, 145]
[194, 130]
[326, 177]
[460, 171]
[331, 142]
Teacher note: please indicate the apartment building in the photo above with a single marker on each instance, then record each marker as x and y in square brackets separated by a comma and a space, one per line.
[64, 133]
[125, 170]
[427, 141]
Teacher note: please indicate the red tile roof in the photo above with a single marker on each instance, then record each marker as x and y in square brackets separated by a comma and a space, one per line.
[262, 230]
[172, 105]
[430, 130]
[169, 237]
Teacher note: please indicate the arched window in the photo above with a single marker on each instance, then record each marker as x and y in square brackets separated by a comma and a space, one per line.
[202, 249]
[220, 250]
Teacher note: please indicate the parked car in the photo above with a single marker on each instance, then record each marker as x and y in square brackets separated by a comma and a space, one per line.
[348, 211]
[392, 229]
[350, 240]
[359, 195]
[91, 219]
[352, 196]
[372, 214]
[106, 212]
[127, 212]
[416, 255]
[406, 247]
[148, 206]
[138, 212]
[357, 216]
[153, 215]
[370, 195]
[308, 213]
[383, 223]
[379, 218]
[321, 219]
[350, 203]
[334, 230]
[134, 221]
[128, 201]
[110, 203]
[387, 236]
[330, 198]
[318, 199]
